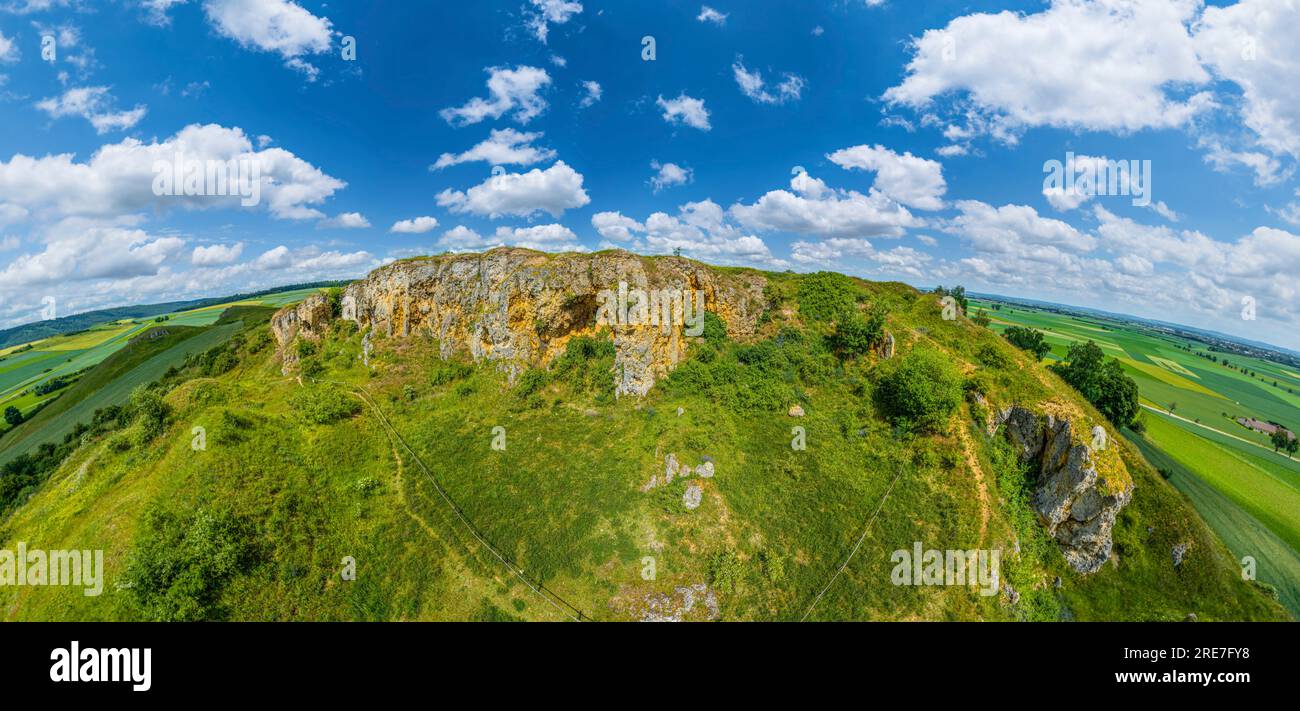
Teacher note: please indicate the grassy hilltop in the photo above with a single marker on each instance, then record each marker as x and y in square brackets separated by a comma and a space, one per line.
[392, 465]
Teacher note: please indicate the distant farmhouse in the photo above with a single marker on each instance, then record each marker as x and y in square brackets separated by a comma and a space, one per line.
[1267, 428]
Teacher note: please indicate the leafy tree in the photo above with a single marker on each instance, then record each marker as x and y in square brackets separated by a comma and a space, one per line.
[981, 319]
[1028, 339]
[1101, 381]
[1292, 445]
[1279, 439]
[958, 294]
[922, 391]
[13, 416]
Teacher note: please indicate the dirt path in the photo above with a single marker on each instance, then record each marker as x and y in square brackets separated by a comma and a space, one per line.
[972, 461]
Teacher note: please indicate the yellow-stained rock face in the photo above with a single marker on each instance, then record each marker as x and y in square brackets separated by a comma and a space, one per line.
[310, 318]
[520, 308]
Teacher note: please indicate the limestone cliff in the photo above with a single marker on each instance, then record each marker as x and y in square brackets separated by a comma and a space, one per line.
[520, 308]
[1073, 501]
[309, 318]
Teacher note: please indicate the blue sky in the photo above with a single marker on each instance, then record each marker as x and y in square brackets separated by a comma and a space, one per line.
[888, 139]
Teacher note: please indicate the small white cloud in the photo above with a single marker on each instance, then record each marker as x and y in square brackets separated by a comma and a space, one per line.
[685, 110]
[156, 11]
[751, 84]
[416, 226]
[344, 221]
[912, 181]
[94, 104]
[550, 12]
[708, 14]
[279, 26]
[503, 147]
[1164, 210]
[592, 95]
[615, 227]
[216, 255]
[669, 174]
[8, 49]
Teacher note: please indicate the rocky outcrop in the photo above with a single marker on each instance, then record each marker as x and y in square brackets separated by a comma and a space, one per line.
[309, 318]
[520, 308]
[1077, 505]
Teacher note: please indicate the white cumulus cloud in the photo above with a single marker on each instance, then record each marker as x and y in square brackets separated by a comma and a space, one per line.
[553, 190]
[516, 91]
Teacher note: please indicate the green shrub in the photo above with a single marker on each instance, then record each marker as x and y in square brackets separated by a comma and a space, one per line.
[324, 404]
[149, 411]
[366, 485]
[715, 331]
[334, 297]
[587, 364]
[993, 357]
[855, 336]
[773, 566]
[726, 571]
[921, 391]
[532, 381]
[827, 296]
[1028, 339]
[180, 563]
[448, 371]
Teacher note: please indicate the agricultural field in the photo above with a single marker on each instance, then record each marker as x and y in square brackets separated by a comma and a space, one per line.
[25, 366]
[1247, 492]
